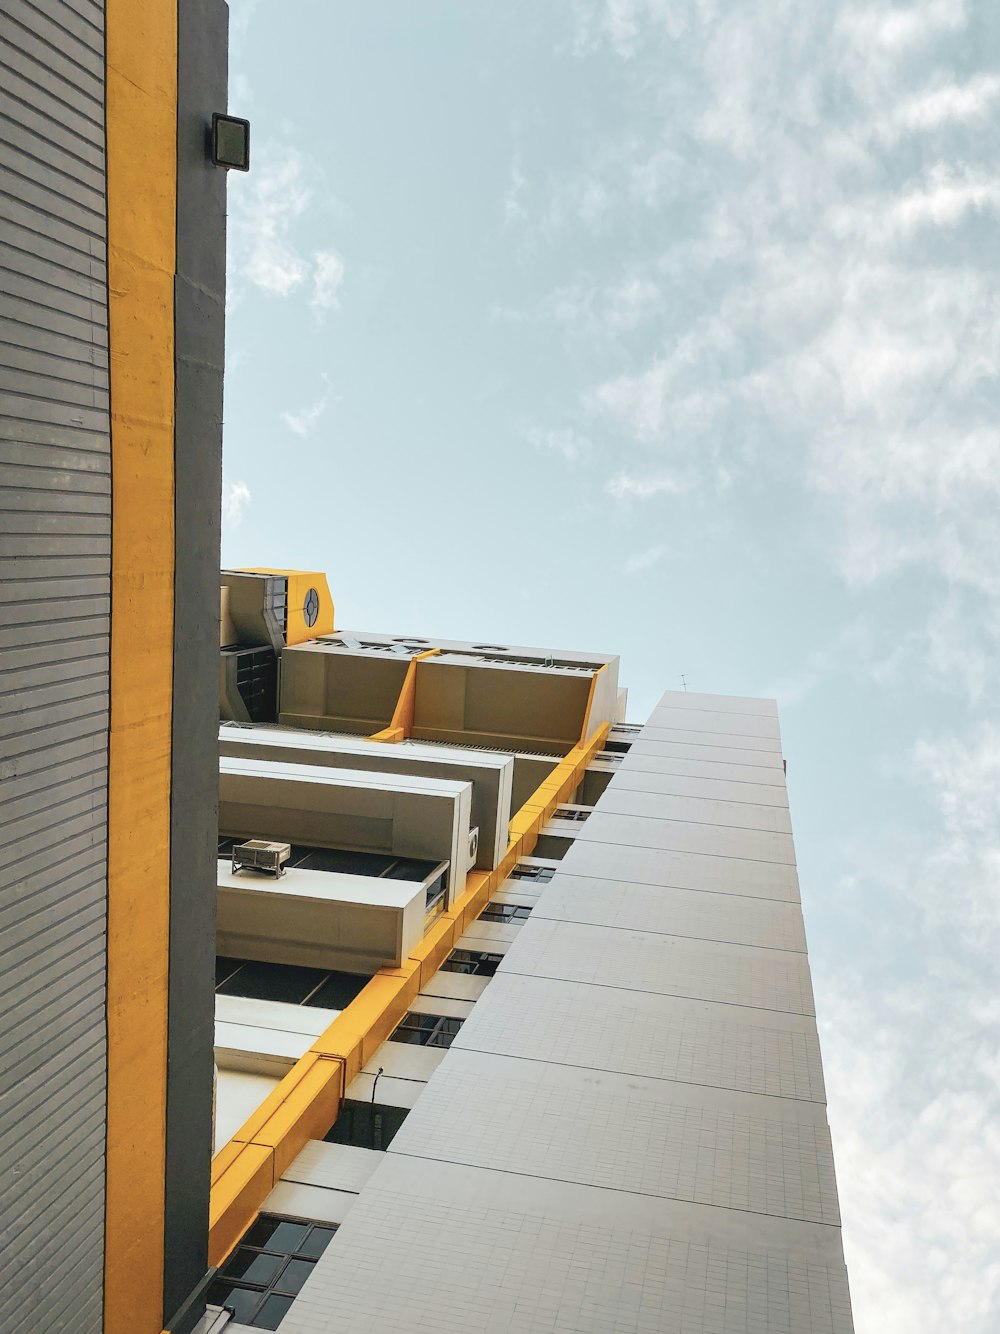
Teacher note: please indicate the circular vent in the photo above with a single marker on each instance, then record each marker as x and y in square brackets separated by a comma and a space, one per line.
[310, 608]
[490, 648]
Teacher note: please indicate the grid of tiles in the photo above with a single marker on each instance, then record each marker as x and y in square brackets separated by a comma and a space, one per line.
[602, 1029]
[625, 1139]
[629, 1132]
[743, 814]
[709, 840]
[667, 965]
[684, 785]
[520, 1272]
[682, 870]
[675, 912]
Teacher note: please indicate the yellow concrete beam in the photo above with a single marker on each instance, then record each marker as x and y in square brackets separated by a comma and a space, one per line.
[401, 724]
[141, 108]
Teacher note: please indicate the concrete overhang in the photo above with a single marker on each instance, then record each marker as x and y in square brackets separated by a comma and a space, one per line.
[319, 919]
[474, 695]
[491, 776]
[399, 814]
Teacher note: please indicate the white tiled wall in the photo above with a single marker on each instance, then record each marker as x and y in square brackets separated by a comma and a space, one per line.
[629, 1133]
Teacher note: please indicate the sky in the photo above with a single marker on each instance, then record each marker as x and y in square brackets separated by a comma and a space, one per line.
[672, 328]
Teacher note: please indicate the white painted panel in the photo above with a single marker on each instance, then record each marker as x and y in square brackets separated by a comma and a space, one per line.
[313, 1202]
[459, 985]
[334, 1166]
[237, 1096]
[405, 1060]
[278, 1015]
[442, 1005]
[390, 1092]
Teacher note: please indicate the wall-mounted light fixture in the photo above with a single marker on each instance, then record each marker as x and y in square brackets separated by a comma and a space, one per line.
[230, 143]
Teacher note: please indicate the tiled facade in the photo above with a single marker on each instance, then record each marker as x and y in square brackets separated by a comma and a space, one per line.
[629, 1132]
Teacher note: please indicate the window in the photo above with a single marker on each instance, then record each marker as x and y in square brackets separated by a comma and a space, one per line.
[436, 891]
[505, 913]
[427, 1030]
[367, 1126]
[267, 1269]
[540, 874]
[287, 982]
[563, 814]
[476, 962]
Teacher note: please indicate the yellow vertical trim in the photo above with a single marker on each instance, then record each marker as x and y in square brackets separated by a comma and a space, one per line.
[142, 189]
[401, 723]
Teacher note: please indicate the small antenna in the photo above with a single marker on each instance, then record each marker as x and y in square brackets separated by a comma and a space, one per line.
[683, 680]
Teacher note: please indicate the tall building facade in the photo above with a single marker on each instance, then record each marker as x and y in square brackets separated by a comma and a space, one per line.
[523, 1038]
[422, 991]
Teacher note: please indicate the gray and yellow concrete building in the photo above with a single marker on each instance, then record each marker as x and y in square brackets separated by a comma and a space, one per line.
[349, 981]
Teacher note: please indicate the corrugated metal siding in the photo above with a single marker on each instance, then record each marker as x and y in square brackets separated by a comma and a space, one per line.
[55, 543]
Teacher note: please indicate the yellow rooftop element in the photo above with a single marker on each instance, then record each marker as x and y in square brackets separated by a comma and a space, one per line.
[310, 606]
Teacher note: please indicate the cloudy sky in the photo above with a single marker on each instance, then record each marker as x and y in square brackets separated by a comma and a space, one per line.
[671, 327]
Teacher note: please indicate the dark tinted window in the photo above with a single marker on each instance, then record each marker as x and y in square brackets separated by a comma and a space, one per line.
[273, 981]
[269, 1266]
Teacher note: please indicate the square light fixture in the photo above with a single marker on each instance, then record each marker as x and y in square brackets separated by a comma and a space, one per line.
[230, 142]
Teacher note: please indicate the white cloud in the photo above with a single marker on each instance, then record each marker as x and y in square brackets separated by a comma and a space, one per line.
[897, 29]
[838, 317]
[918, 1154]
[266, 213]
[645, 560]
[564, 441]
[625, 487]
[912, 1066]
[235, 498]
[263, 211]
[593, 310]
[513, 209]
[631, 301]
[328, 275]
[944, 104]
[303, 422]
[947, 195]
[622, 27]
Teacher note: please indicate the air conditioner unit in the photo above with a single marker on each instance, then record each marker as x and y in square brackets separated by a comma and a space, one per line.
[257, 854]
[473, 845]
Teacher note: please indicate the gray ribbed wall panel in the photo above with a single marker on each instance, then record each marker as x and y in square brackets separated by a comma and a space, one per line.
[55, 546]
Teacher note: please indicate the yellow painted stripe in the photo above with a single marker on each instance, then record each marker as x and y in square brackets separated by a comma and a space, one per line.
[401, 724]
[246, 1168]
[142, 186]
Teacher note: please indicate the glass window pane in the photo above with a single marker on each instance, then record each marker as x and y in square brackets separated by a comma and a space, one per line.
[277, 1234]
[224, 968]
[294, 1275]
[240, 1300]
[272, 1312]
[338, 991]
[252, 1266]
[273, 981]
[317, 1241]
